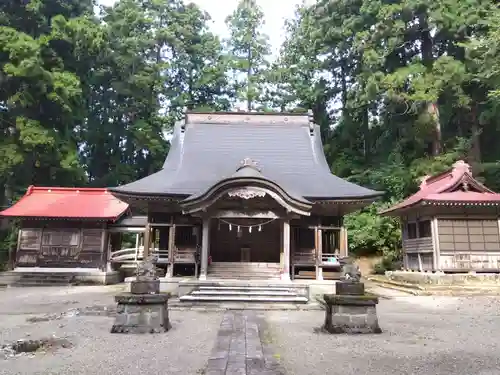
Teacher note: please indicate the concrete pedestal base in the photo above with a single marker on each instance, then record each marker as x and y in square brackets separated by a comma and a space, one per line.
[145, 287]
[351, 314]
[141, 313]
[349, 288]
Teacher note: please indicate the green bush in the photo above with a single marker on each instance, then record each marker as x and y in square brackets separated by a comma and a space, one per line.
[372, 234]
[387, 263]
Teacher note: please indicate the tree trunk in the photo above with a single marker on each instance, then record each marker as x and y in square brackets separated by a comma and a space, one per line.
[249, 79]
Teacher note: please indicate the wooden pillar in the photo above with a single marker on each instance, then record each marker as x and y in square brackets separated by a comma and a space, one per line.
[147, 241]
[435, 241]
[205, 238]
[318, 235]
[343, 242]
[137, 243]
[13, 251]
[286, 250]
[104, 248]
[171, 251]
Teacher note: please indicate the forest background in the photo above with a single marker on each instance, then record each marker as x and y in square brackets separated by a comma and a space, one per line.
[400, 88]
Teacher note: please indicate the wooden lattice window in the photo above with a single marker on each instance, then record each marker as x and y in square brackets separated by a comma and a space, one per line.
[305, 238]
[185, 236]
[30, 239]
[66, 237]
[424, 229]
[411, 231]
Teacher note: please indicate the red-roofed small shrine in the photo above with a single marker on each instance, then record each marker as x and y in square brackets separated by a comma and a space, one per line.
[66, 229]
[451, 224]
[67, 203]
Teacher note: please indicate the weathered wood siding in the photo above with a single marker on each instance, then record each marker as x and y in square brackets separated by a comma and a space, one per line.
[419, 253]
[61, 245]
[416, 245]
[469, 244]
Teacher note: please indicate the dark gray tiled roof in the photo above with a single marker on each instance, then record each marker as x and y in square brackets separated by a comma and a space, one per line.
[287, 154]
[131, 221]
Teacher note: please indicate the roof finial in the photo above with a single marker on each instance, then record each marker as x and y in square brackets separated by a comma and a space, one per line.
[462, 166]
[310, 116]
[247, 162]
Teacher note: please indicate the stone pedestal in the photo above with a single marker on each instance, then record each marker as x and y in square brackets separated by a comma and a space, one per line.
[349, 288]
[141, 313]
[351, 314]
[145, 287]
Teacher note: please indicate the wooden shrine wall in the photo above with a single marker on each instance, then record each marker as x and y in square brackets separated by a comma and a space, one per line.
[469, 244]
[57, 244]
[264, 245]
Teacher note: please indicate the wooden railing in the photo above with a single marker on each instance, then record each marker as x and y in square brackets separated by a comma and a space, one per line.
[133, 255]
[309, 258]
[304, 257]
[326, 260]
[185, 255]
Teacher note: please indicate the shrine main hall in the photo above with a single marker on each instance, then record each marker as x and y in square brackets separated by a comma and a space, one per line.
[240, 195]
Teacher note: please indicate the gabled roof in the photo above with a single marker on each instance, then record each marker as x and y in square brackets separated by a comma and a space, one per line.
[453, 187]
[247, 181]
[67, 203]
[207, 147]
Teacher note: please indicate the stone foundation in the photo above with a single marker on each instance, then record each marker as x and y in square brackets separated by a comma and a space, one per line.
[440, 278]
[351, 314]
[141, 313]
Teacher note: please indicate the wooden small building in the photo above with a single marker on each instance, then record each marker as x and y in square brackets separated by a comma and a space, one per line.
[65, 228]
[451, 224]
[246, 195]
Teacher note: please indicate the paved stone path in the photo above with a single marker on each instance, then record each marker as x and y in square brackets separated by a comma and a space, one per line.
[241, 347]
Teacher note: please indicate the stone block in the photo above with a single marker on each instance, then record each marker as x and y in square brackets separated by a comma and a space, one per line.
[352, 310]
[145, 287]
[146, 313]
[351, 314]
[349, 288]
[350, 300]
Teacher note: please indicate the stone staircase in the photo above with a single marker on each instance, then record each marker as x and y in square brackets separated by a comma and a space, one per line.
[244, 271]
[41, 279]
[236, 292]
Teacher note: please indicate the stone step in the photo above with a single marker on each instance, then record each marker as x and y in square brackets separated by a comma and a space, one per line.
[35, 284]
[245, 264]
[246, 273]
[242, 293]
[255, 272]
[247, 288]
[245, 277]
[30, 279]
[245, 298]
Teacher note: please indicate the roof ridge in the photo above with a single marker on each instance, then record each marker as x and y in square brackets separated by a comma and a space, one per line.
[49, 189]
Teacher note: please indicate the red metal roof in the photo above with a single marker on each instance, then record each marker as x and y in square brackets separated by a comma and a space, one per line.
[453, 186]
[69, 203]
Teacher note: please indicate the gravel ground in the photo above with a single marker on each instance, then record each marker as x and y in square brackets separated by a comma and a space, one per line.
[183, 350]
[421, 336]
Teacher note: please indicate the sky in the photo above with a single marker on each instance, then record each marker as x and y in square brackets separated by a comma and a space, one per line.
[275, 13]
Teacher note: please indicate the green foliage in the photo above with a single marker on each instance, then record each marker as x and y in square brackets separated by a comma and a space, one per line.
[247, 49]
[400, 89]
[370, 233]
[388, 263]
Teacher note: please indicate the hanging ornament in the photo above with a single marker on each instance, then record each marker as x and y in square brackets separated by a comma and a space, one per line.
[238, 228]
[260, 228]
[218, 227]
[249, 229]
[230, 227]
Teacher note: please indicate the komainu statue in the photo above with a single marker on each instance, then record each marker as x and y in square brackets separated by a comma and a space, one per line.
[350, 271]
[146, 270]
